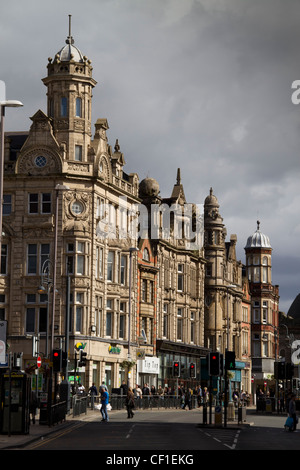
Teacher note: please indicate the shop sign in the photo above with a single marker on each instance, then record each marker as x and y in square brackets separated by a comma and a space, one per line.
[150, 365]
[114, 350]
[140, 353]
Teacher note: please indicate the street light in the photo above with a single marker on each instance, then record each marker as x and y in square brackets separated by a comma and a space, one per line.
[131, 250]
[58, 187]
[3, 105]
[229, 286]
[41, 290]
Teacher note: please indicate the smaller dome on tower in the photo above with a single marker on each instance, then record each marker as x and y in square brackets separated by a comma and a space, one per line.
[258, 239]
[149, 187]
[211, 199]
[69, 51]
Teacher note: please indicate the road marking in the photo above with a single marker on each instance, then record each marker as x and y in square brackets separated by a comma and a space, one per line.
[222, 437]
[130, 431]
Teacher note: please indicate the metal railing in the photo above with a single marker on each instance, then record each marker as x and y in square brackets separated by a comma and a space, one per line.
[57, 413]
[118, 402]
[79, 405]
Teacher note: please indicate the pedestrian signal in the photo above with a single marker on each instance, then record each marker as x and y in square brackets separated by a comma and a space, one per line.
[229, 360]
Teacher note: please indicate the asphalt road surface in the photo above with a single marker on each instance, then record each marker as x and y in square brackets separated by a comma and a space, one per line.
[169, 434]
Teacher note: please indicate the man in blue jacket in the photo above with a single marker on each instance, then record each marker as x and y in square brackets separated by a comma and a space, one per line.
[104, 403]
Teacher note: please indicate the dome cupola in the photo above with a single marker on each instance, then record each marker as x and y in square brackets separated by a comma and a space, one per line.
[258, 239]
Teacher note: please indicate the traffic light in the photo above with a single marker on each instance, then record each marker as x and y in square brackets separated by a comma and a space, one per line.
[192, 370]
[176, 369]
[214, 363]
[57, 360]
[229, 360]
[82, 358]
[279, 370]
[221, 364]
[289, 371]
[64, 359]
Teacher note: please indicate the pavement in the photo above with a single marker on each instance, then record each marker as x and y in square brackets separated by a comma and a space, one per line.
[39, 431]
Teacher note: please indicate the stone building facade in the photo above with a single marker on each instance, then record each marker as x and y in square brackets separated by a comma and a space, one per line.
[264, 307]
[93, 258]
[68, 204]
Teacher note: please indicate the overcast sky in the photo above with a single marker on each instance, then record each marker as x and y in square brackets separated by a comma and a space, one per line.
[204, 85]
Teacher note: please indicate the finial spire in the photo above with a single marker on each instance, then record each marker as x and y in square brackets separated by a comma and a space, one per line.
[178, 176]
[258, 224]
[69, 39]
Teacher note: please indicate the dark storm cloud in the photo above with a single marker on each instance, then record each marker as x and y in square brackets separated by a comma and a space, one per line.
[204, 85]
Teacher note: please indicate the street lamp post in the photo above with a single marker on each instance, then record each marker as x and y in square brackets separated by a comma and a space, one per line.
[58, 188]
[3, 105]
[48, 281]
[131, 250]
[227, 349]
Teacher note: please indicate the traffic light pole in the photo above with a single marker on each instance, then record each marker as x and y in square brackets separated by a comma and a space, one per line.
[225, 398]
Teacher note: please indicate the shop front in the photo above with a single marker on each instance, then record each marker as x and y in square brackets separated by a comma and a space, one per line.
[168, 353]
[147, 371]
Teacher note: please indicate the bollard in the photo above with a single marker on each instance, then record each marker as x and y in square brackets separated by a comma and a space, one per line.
[204, 414]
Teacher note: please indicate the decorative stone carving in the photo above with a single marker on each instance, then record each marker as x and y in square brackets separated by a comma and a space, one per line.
[39, 161]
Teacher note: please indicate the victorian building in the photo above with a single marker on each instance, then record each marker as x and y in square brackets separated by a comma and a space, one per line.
[66, 249]
[226, 295]
[264, 307]
[93, 259]
[171, 282]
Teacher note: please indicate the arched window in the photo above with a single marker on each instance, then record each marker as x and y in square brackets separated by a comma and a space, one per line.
[146, 256]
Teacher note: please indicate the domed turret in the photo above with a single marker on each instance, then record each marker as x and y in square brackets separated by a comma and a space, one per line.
[258, 239]
[211, 199]
[149, 187]
[69, 51]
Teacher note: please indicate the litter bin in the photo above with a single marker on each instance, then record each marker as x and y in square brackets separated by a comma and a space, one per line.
[241, 414]
[231, 411]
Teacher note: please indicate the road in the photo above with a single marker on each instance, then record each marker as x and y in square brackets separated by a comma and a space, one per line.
[172, 432]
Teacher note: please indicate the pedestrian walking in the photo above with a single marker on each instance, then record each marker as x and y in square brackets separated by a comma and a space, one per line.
[124, 388]
[104, 386]
[130, 403]
[104, 403]
[292, 411]
[205, 396]
[81, 390]
[188, 399]
[199, 395]
[33, 405]
[160, 392]
[93, 393]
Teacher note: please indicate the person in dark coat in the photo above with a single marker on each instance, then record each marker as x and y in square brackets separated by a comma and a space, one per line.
[130, 403]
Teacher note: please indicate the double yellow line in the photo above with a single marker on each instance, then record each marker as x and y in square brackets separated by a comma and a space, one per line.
[46, 440]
